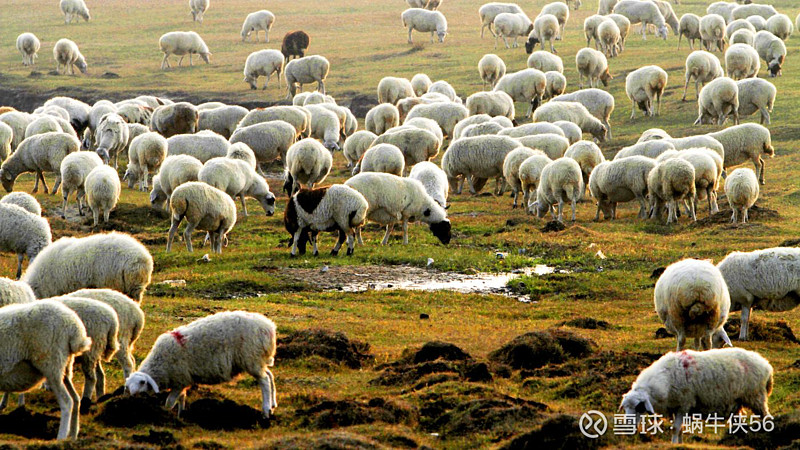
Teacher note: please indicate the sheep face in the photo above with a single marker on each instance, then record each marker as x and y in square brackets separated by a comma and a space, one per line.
[769, 150]
[441, 35]
[332, 146]
[206, 57]
[775, 68]
[252, 82]
[103, 154]
[158, 199]
[531, 43]
[662, 32]
[86, 16]
[637, 403]
[140, 382]
[440, 229]
[539, 209]
[605, 77]
[268, 203]
[82, 67]
[7, 180]
[601, 133]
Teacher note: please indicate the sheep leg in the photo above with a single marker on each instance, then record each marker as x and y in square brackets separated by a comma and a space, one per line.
[350, 243]
[342, 237]
[574, 205]
[405, 231]
[35, 184]
[389, 229]
[65, 195]
[500, 185]
[66, 405]
[644, 31]
[100, 386]
[20, 257]
[244, 205]
[191, 63]
[760, 169]
[106, 213]
[56, 185]
[126, 360]
[505, 41]
[633, 109]
[172, 399]
[764, 115]
[409, 36]
[297, 235]
[172, 230]
[165, 62]
[274, 393]
[96, 216]
[432, 33]
[4, 401]
[705, 342]
[733, 216]
[314, 236]
[744, 215]
[560, 210]
[180, 60]
[266, 395]
[44, 182]
[89, 383]
[681, 341]
[677, 436]
[358, 234]
[187, 235]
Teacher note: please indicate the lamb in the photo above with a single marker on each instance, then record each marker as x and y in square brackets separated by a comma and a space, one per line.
[24, 201]
[28, 44]
[381, 118]
[491, 69]
[670, 182]
[618, 181]
[605, 7]
[67, 55]
[489, 11]
[689, 26]
[356, 144]
[177, 118]
[572, 132]
[560, 181]
[476, 159]
[492, 103]
[111, 138]
[420, 83]
[416, 144]
[555, 86]
[295, 44]
[447, 115]
[598, 102]
[511, 169]
[39, 154]
[545, 28]
[573, 112]
[753, 9]
[393, 199]
[588, 155]
[258, 21]
[198, 9]
[23, 233]
[530, 172]
[182, 43]
[433, 179]
[305, 70]
[701, 382]
[244, 342]
[772, 50]
[594, 66]
[385, 158]
[238, 178]
[102, 188]
[608, 34]
[203, 145]
[650, 149]
[756, 95]
[552, 145]
[741, 188]
[742, 37]
[59, 337]
[204, 207]
[114, 260]
[707, 171]
[741, 61]
[624, 26]
[424, 21]
[590, 25]
[645, 13]
[74, 169]
[175, 170]
[147, 153]
[545, 61]
[718, 99]
[644, 85]
[296, 116]
[703, 67]
[74, 9]
[712, 31]
[338, 207]
[527, 85]
[262, 63]
[781, 26]
[307, 163]
[268, 140]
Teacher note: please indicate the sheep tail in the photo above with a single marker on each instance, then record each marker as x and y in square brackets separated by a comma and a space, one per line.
[79, 344]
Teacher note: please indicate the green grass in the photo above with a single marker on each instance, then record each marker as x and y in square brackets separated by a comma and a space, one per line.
[364, 41]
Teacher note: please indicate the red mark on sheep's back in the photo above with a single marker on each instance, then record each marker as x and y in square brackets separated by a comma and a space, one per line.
[179, 337]
[687, 361]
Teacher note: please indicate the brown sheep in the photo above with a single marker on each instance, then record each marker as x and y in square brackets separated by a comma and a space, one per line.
[294, 44]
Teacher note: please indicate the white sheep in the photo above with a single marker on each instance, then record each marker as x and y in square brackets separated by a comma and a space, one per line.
[643, 12]
[78, 111]
[385, 158]
[238, 178]
[177, 118]
[481, 129]
[708, 167]
[67, 55]
[296, 116]
[111, 138]
[670, 17]
[338, 207]
[736, 25]
[42, 124]
[205, 208]
[307, 163]
[703, 67]
[40, 153]
[491, 69]
[545, 61]
[393, 89]
[772, 50]
[416, 144]
[74, 9]
[605, 7]
[712, 32]
[18, 122]
[356, 144]
[780, 25]
[741, 61]
[182, 43]
[268, 140]
[527, 85]
[572, 132]
[6, 139]
[381, 118]
[223, 120]
[530, 172]
[24, 201]
[608, 34]
[203, 145]
[753, 9]
[433, 179]
[102, 188]
[758, 22]
[306, 70]
[476, 160]
[28, 44]
[243, 152]
[511, 165]
[560, 181]
[624, 26]
[743, 37]
[532, 129]
[645, 85]
[741, 188]
[175, 170]
[555, 86]
[489, 11]
[545, 28]
[588, 155]
[573, 112]
[597, 101]
[723, 8]
[447, 115]
[242, 342]
[393, 199]
[592, 65]
[756, 95]
[492, 103]
[40, 341]
[618, 181]
[258, 21]
[469, 121]
[426, 124]
[689, 26]
[719, 381]
[114, 260]
[670, 182]
[424, 21]
[590, 25]
[444, 88]
[718, 99]
[262, 63]
[74, 169]
[326, 125]
[650, 149]
[552, 145]
[23, 233]
[420, 83]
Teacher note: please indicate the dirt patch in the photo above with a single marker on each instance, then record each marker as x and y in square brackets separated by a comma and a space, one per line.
[790, 243]
[215, 414]
[539, 348]
[110, 75]
[324, 441]
[331, 345]
[209, 445]
[130, 411]
[754, 214]
[604, 364]
[31, 425]
[329, 414]
[397, 440]
[785, 435]
[233, 289]
[758, 330]
[155, 437]
[587, 323]
[434, 350]
[559, 432]
[553, 226]
[436, 362]
[362, 103]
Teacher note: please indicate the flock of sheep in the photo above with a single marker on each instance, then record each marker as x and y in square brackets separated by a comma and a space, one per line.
[196, 160]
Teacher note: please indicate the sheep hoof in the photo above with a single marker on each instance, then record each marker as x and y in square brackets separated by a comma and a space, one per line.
[349, 252]
[334, 252]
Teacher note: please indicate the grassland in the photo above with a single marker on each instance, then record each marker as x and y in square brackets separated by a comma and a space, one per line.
[364, 41]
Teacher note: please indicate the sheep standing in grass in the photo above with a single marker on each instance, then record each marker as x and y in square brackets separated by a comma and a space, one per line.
[416, 144]
[238, 178]
[491, 68]
[645, 85]
[182, 43]
[723, 8]
[560, 182]
[476, 160]
[74, 9]
[758, 22]
[393, 89]
[23, 233]
[74, 169]
[689, 26]
[492, 103]
[718, 100]
[268, 140]
[718, 382]
[424, 21]
[609, 36]
[756, 95]
[598, 102]
[618, 181]
[262, 63]
[527, 85]
[530, 172]
[736, 25]
[146, 154]
[594, 66]
[295, 44]
[772, 50]
[111, 138]
[511, 25]
[175, 170]
[326, 126]
[645, 13]
[447, 115]
[552, 145]
[741, 61]
[39, 154]
[102, 188]
[670, 182]
[741, 188]
[6, 138]
[555, 86]
[338, 207]
[305, 70]
[205, 208]
[177, 118]
[381, 118]
[198, 9]
[780, 25]
[223, 120]
[703, 67]
[385, 158]
[650, 149]
[210, 350]
[67, 55]
[307, 163]
[433, 179]
[588, 155]
[742, 37]
[573, 112]
[258, 21]
[490, 11]
[356, 144]
[605, 7]
[420, 83]
[707, 169]
[545, 29]
[545, 61]
[511, 166]
[24, 201]
[28, 44]
[745, 11]
[712, 32]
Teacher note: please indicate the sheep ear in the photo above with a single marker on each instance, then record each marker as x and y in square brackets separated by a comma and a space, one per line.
[648, 406]
[151, 382]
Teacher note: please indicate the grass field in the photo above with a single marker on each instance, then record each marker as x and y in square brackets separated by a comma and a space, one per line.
[364, 41]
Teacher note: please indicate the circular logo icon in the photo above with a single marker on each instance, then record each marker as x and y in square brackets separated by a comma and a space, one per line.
[593, 424]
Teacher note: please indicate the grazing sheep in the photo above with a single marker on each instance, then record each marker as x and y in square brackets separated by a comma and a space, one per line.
[326, 126]
[722, 8]
[588, 155]
[703, 67]
[590, 25]
[111, 138]
[268, 140]
[492, 103]
[433, 179]
[96, 114]
[742, 37]
[295, 44]
[489, 11]
[203, 145]
[18, 122]
[609, 36]
[758, 22]
[491, 69]
[333, 208]
[242, 342]
[643, 12]
[618, 181]
[532, 129]
[296, 116]
[74, 9]
[712, 32]
[560, 181]
[393, 89]
[476, 160]
[67, 55]
[74, 169]
[146, 154]
[573, 112]
[223, 120]
[753, 9]
[707, 171]
[40, 153]
[545, 28]
[605, 7]
[238, 178]
[650, 149]
[555, 86]
[772, 50]
[527, 85]
[670, 182]
[381, 118]
[741, 61]
[393, 199]
[447, 115]
[530, 171]
[243, 152]
[511, 165]
[78, 111]
[780, 25]
[416, 144]
[307, 163]
[28, 44]
[689, 26]
[552, 145]
[741, 188]
[444, 88]
[718, 99]
[305, 70]
[670, 17]
[205, 208]
[424, 21]
[594, 66]
[561, 12]
[736, 25]
[262, 63]
[102, 188]
[385, 158]
[42, 124]
[177, 118]
[745, 142]
[175, 170]
[356, 144]
[182, 43]
[24, 201]
[756, 95]
[598, 102]
[40, 341]
[420, 83]
[718, 382]
[644, 85]
[624, 26]
[258, 21]
[22, 233]
[198, 9]
[572, 132]
[545, 61]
